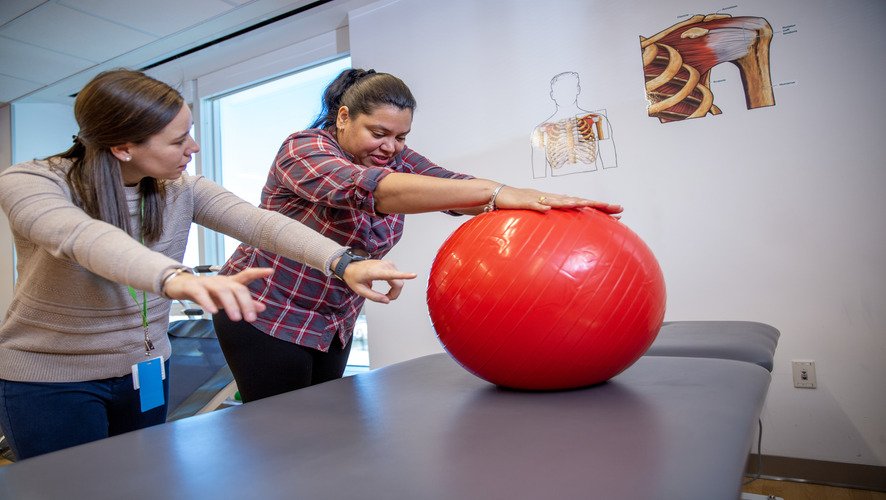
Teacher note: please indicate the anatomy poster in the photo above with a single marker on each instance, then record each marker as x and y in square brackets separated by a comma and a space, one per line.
[572, 140]
[678, 60]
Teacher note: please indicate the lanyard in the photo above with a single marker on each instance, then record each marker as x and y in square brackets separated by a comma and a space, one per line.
[149, 346]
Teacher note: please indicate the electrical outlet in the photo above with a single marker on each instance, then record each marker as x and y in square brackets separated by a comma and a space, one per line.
[804, 374]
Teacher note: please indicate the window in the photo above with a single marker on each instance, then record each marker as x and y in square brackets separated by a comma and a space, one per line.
[248, 126]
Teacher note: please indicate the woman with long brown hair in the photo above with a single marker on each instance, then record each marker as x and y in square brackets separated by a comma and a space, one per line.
[100, 231]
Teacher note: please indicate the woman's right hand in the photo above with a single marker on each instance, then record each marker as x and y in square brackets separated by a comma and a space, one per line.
[220, 292]
[360, 275]
[533, 199]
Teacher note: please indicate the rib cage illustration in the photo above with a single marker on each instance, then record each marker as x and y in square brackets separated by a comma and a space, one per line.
[677, 64]
[569, 141]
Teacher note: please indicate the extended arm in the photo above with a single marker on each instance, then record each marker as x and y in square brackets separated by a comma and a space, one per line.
[410, 193]
[39, 209]
[221, 210]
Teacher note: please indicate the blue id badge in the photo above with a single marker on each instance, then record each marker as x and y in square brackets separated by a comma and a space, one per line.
[147, 379]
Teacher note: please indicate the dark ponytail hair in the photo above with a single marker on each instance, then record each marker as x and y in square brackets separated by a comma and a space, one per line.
[114, 108]
[362, 91]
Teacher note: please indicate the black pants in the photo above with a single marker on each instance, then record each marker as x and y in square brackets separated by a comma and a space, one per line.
[265, 366]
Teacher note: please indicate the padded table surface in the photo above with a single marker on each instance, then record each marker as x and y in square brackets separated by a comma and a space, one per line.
[739, 340]
[665, 428]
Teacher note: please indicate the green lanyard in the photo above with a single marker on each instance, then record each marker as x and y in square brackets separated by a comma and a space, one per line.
[149, 346]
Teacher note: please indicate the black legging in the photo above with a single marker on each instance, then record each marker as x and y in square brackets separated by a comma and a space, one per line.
[265, 366]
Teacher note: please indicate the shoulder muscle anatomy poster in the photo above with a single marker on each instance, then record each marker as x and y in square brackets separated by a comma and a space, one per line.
[677, 63]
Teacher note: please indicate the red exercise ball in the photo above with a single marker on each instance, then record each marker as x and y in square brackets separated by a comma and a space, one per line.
[545, 301]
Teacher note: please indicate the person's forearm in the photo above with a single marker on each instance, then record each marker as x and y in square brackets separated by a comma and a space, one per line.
[224, 212]
[399, 193]
[470, 211]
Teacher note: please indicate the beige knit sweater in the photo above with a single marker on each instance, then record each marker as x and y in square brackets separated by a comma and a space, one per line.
[72, 317]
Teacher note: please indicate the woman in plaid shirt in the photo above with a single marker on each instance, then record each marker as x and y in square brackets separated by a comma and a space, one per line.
[351, 178]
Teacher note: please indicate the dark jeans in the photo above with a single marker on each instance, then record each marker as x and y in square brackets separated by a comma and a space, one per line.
[40, 417]
[265, 366]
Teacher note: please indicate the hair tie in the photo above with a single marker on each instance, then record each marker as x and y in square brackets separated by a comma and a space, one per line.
[363, 74]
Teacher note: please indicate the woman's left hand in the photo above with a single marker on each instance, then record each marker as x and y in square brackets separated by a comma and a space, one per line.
[360, 275]
[532, 199]
[220, 292]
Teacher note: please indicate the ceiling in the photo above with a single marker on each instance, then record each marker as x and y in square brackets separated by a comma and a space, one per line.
[50, 48]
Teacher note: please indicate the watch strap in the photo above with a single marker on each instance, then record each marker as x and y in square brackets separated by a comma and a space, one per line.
[343, 262]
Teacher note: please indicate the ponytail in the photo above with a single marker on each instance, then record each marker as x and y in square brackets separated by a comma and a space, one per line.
[362, 91]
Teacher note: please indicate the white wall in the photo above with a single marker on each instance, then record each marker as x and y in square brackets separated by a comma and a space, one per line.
[41, 129]
[772, 215]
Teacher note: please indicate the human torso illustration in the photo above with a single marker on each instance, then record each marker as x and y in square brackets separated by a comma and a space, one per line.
[572, 140]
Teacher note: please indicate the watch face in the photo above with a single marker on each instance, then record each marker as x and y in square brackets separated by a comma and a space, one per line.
[356, 256]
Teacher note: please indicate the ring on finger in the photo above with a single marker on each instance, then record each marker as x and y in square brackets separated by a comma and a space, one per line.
[541, 199]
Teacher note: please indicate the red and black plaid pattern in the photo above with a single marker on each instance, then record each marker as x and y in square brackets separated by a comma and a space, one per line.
[316, 183]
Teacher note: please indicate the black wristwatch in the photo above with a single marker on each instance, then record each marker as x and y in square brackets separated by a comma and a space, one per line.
[346, 258]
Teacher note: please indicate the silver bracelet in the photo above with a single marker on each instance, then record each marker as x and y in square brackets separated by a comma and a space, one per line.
[491, 205]
[169, 277]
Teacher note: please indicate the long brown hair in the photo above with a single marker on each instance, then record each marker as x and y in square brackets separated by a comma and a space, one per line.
[114, 108]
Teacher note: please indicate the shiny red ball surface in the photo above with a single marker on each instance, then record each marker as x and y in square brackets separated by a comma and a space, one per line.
[545, 301]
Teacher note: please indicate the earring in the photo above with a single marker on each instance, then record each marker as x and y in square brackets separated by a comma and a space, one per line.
[127, 158]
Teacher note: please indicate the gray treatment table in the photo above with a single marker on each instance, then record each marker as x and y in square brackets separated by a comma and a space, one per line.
[739, 340]
[665, 428]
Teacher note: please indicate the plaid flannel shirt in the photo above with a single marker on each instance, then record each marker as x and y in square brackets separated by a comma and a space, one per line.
[315, 182]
